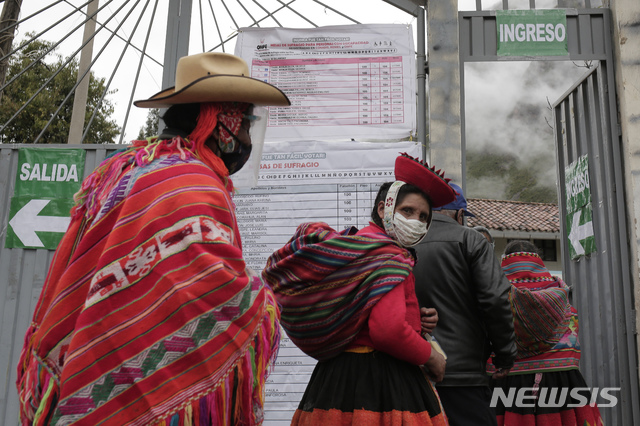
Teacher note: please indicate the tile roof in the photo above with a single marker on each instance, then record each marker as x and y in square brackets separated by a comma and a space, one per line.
[504, 215]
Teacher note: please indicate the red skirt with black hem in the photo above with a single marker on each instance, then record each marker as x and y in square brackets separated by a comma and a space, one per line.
[556, 409]
[368, 389]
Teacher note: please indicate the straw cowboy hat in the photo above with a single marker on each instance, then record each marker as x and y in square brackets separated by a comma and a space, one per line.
[215, 77]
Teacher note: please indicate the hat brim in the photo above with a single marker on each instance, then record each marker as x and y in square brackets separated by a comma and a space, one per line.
[465, 212]
[219, 88]
[409, 170]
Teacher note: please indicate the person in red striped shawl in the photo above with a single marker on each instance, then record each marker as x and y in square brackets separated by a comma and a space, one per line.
[546, 328]
[148, 314]
[348, 300]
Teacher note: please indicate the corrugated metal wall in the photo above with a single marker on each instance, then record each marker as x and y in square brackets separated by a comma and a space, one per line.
[586, 124]
[22, 274]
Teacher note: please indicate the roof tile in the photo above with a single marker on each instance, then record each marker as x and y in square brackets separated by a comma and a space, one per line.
[502, 215]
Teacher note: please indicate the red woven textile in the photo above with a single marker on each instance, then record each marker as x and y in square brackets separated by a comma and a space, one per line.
[148, 314]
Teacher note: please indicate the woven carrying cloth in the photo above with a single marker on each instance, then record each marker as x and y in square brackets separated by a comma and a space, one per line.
[148, 314]
[546, 328]
[546, 324]
[326, 283]
[540, 303]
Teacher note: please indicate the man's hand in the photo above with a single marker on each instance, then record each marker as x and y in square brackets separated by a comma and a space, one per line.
[435, 366]
[428, 320]
[501, 373]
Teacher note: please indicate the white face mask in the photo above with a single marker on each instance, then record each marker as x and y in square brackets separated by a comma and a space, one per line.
[409, 232]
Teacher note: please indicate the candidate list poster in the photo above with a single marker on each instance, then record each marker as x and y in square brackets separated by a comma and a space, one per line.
[310, 181]
[353, 82]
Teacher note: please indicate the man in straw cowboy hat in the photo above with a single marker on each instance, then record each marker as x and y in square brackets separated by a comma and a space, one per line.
[148, 314]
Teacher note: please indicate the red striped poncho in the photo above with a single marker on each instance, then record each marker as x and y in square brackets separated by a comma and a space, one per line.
[148, 314]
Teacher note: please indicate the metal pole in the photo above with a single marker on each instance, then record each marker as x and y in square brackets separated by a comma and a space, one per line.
[82, 91]
[176, 43]
[421, 64]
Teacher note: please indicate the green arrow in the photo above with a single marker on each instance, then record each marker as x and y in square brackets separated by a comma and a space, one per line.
[26, 223]
[579, 232]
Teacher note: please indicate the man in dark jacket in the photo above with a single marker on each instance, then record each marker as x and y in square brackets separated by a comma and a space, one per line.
[458, 275]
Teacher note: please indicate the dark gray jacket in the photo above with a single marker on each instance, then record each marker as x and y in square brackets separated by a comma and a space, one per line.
[458, 274]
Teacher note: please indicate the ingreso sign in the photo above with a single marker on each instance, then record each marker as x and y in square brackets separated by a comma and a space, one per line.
[532, 33]
[45, 183]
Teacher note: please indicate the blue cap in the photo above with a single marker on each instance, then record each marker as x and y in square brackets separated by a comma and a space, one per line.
[459, 203]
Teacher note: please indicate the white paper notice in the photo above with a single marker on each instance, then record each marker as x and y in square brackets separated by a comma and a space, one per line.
[332, 182]
[344, 82]
[286, 384]
[329, 182]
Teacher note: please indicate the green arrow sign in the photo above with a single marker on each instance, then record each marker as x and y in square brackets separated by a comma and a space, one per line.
[45, 183]
[581, 238]
[532, 33]
[579, 218]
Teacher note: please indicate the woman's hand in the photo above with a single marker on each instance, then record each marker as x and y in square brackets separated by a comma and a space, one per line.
[435, 366]
[501, 373]
[428, 320]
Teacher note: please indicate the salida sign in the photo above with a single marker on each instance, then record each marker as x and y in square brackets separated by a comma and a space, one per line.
[45, 183]
[532, 33]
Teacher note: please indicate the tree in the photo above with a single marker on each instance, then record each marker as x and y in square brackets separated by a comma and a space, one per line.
[29, 122]
[509, 177]
[151, 126]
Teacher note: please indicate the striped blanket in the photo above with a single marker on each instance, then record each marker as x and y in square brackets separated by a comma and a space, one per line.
[148, 314]
[326, 283]
[540, 318]
[546, 325]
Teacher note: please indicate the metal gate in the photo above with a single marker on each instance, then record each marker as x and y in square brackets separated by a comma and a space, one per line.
[586, 125]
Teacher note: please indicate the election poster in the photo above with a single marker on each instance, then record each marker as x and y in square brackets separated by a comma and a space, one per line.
[353, 82]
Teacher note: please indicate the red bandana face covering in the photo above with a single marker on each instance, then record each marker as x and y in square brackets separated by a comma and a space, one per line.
[231, 118]
[228, 122]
